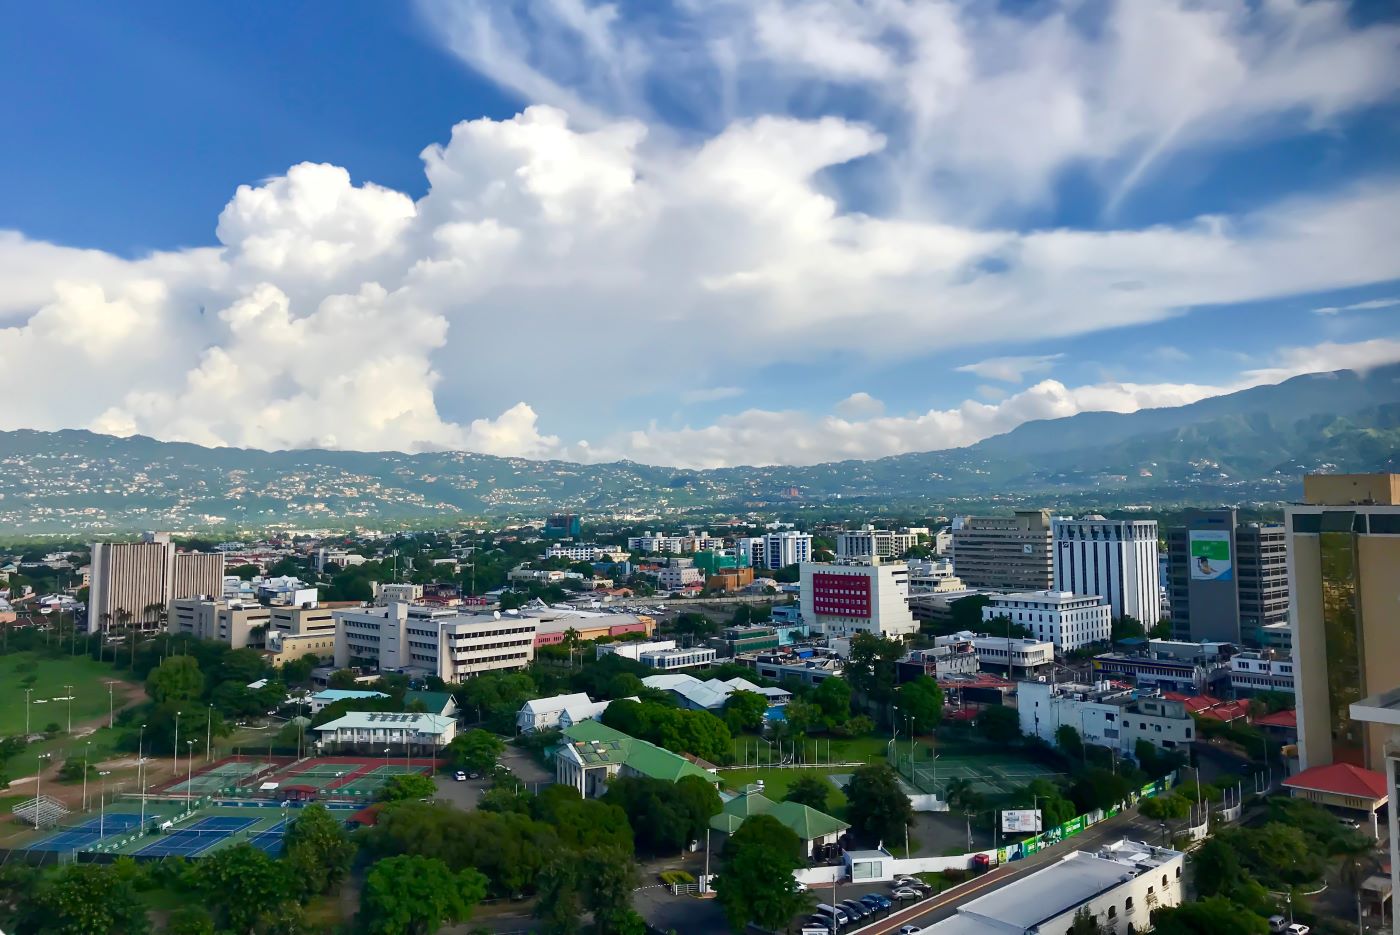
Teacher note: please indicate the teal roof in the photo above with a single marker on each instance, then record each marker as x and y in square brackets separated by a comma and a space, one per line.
[806, 822]
[434, 702]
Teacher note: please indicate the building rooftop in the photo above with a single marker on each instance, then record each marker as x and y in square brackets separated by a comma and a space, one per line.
[598, 744]
[1046, 597]
[342, 694]
[1341, 779]
[1379, 709]
[375, 720]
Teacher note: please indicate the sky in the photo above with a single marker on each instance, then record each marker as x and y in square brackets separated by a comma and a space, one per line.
[688, 232]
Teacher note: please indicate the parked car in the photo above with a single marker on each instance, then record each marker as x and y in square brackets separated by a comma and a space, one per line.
[906, 893]
[909, 930]
[910, 883]
[1297, 928]
[855, 909]
[460, 776]
[876, 901]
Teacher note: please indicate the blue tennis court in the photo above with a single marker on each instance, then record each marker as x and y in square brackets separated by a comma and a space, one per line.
[270, 839]
[198, 837]
[89, 832]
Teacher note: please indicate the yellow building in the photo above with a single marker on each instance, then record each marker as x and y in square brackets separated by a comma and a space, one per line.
[1344, 603]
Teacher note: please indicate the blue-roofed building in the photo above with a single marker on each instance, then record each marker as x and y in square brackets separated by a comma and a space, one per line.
[332, 695]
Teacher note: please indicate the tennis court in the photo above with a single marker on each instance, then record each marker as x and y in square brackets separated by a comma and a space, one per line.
[199, 837]
[990, 775]
[88, 833]
[271, 839]
[218, 778]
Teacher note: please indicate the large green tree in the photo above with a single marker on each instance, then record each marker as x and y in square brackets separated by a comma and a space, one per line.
[922, 700]
[1213, 916]
[410, 895]
[408, 786]
[476, 750]
[82, 899]
[998, 724]
[755, 882]
[877, 807]
[871, 667]
[318, 850]
[833, 696]
[811, 791]
[177, 680]
[241, 885]
[744, 710]
[580, 822]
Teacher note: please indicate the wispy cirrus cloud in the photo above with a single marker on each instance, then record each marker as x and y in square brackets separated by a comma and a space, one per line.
[1369, 305]
[1010, 369]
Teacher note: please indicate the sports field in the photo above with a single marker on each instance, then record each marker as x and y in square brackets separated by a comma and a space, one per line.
[337, 777]
[993, 775]
[223, 777]
[48, 699]
[210, 829]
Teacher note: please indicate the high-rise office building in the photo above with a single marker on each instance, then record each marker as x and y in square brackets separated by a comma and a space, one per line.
[1115, 559]
[1227, 580]
[133, 583]
[1008, 553]
[846, 599]
[1344, 586]
[781, 549]
[562, 526]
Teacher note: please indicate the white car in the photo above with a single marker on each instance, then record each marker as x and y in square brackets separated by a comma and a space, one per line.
[1297, 928]
[460, 776]
[904, 893]
[909, 930]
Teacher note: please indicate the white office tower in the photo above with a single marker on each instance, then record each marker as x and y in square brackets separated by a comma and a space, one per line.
[1115, 559]
[843, 600]
[781, 549]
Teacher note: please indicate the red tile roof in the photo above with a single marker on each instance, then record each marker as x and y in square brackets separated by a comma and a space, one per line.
[1288, 719]
[1340, 779]
[1226, 711]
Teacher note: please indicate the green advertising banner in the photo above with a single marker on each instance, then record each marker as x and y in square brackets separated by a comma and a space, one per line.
[1072, 827]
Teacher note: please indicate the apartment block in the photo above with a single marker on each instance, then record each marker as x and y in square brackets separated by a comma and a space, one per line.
[1116, 559]
[1228, 581]
[436, 641]
[133, 583]
[869, 542]
[1070, 621]
[843, 600]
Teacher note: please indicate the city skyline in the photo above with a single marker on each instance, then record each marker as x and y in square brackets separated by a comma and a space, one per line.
[887, 228]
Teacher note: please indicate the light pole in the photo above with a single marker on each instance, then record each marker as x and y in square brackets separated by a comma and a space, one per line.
[111, 706]
[102, 806]
[38, 783]
[208, 732]
[87, 751]
[176, 765]
[27, 693]
[141, 771]
[189, 780]
[70, 709]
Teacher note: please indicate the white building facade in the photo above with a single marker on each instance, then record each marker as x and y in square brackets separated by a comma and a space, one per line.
[1070, 621]
[869, 542]
[1104, 716]
[843, 600]
[441, 642]
[1254, 672]
[781, 549]
[1114, 559]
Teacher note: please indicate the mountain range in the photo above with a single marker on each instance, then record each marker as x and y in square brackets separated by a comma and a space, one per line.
[1251, 446]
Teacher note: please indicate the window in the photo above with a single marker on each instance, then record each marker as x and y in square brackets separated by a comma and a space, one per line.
[1128, 904]
[1113, 912]
[1164, 880]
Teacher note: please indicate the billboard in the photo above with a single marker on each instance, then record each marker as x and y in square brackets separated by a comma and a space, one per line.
[1210, 555]
[1021, 821]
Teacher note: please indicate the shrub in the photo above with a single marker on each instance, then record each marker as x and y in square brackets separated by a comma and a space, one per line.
[671, 877]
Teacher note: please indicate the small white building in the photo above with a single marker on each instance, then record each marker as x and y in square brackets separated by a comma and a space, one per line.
[558, 712]
[372, 728]
[1253, 672]
[669, 660]
[710, 694]
[1119, 885]
[1105, 716]
[675, 576]
[632, 650]
[1017, 655]
[1070, 621]
[584, 552]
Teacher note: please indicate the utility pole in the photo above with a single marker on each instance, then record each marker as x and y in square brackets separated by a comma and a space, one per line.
[87, 751]
[70, 709]
[27, 693]
[111, 706]
[208, 732]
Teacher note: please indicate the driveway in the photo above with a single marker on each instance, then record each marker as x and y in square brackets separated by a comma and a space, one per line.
[526, 768]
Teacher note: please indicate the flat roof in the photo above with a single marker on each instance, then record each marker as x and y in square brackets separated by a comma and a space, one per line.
[1383, 708]
[1047, 893]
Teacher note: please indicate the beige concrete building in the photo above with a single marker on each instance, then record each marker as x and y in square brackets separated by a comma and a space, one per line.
[133, 583]
[235, 625]
[284, 647]
[1008, 553]
[1344, 587]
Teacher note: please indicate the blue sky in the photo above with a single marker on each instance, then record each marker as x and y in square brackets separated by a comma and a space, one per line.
[730, 232]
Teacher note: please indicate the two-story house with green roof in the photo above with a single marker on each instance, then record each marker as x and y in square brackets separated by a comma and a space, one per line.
[592, 754]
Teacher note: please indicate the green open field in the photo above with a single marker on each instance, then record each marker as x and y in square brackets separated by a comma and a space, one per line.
[48, 678]
[776, 782]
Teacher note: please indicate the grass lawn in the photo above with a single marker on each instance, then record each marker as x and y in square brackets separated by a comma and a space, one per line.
[776, 783]
[62, 748]
[48, 678]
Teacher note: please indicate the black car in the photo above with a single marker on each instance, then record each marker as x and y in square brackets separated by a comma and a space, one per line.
[857, 909]
[876, 902]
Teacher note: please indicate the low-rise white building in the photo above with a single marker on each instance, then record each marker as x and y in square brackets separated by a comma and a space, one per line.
[435, 641]
[669, 660]
[1070, 621]
[339, 557]
[1119, 885]
[843, 600]
[372, 728]
[675, 576]
[710, 694]
[558, 712]
[1105, 716]
[868, 542]
[632, 650]
[584, 552]
[1257, 671]
[1017, 655]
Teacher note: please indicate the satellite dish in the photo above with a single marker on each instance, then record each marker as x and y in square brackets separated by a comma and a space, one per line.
[496, 614]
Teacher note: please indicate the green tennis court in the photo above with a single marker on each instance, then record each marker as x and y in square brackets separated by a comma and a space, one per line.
[992, 775]
[222, 776]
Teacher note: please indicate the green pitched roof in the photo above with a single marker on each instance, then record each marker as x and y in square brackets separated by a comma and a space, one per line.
[434, 702]
[599, 743]
[806, 822]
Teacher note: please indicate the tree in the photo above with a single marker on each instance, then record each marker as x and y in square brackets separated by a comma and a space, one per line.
[1070, 743]
[475, 750]
[744, 710]
[999, 724]
[922, 700]
[342, 678]
[833, 696]
[190, 920]
[799, 717]
[608, 884]
[967, 612]
[755, 882]
[177, 680]
[1170, 807]
[1085, 923]
[1126, 627]
[81, 899]
[877, 806]
[245, 572]
[241, 885]
[410, 895]
[1213, 916]
[664, 816]
[580, 822]
[811, 791]
[871, 666]
[560, 901]
[318, 851]
[408, 786]
[298, 671]
[242, 666]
